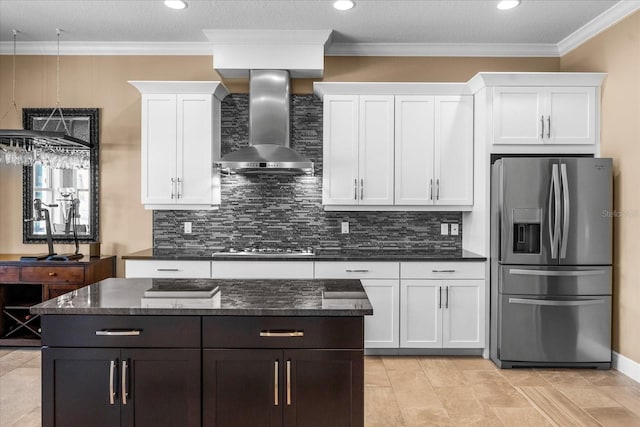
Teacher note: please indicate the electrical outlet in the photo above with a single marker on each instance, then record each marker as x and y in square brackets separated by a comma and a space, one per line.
[454, 229]
[444, 229]
[187, 228]
[345, 227]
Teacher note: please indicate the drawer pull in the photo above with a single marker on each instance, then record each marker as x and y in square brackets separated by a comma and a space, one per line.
[52, 274]
[288, 382]
[125, 393]
[276, 386]
[277, 334]
[111, 333]
[443, 271]
[357, 271]
[167, 269]
[112, 392]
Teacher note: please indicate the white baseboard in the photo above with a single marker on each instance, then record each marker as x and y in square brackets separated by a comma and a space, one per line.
[623, 364]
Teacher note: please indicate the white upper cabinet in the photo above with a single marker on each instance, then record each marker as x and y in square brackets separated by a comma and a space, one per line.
[358, 150]
[434, 150]
[180, 142]
[376, 150]
[386, 148]
[544, 115]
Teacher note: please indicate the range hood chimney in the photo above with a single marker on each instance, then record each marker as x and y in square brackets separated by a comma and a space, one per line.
[269, 130]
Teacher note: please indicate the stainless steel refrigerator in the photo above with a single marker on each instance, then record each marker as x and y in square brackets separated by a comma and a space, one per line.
[551, 255]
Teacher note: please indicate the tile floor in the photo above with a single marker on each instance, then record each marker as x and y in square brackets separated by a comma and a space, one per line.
[420, 391]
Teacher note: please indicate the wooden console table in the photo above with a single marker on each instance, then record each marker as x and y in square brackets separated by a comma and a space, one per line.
[26, 283]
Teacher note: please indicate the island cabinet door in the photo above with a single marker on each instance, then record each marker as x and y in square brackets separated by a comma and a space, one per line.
[80, 387]
[242, 388]
[160, 387]
[323, 388]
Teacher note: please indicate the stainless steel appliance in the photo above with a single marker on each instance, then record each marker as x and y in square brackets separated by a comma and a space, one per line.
[551, 255]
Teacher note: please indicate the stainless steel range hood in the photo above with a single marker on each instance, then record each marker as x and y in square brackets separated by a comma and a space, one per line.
[269, 134]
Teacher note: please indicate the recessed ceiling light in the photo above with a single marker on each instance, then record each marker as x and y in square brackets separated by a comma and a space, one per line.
[175, 4]
[508, 4]
[344, 4]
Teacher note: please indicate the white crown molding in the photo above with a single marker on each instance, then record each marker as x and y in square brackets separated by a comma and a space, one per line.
[386, 88]
[597, 25]
[442, 49]
[215, 88]
[108, 48]
[603, 21]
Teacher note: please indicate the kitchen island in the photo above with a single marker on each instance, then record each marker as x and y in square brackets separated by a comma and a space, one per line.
[261, 352]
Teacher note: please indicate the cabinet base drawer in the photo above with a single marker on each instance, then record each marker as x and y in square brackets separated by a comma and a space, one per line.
[169, 269]
[53, 274]
[282, 332]
[357, 270]
[120, 331]
[442, 270]
[262, 270]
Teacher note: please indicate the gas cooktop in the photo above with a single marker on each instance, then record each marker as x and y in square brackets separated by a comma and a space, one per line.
[265, 252]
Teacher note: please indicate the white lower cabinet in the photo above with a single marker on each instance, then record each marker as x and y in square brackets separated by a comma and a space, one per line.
[161, 269]
[381, 329]
[442, 304]
[262, 270]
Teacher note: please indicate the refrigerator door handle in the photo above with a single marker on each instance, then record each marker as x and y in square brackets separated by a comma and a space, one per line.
[565, 273]
[566, 215]
[554, 195]
[556, 303]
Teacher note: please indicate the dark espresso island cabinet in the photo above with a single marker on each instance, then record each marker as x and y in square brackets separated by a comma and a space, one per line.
[262, 353]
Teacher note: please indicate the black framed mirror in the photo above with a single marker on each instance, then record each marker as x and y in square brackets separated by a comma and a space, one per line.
[63, 178]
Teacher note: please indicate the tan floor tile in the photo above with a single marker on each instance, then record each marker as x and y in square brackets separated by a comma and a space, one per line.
[607, 378]
[436, 362]
[19, 394]
[402, 363]
[413, 390]
[629, 397]
[523, 377]
[521, 417]
[473, 362]
[16, 359]
[500, 395]
[587, 397]
[445, 377]
[375, 374]
[468, 412]
[450, 395]
[381, 408]
[557, 407]
[564, 376]
[30, 419]
[4, 352]
[426, 417]
[613, 417]
[483, 377]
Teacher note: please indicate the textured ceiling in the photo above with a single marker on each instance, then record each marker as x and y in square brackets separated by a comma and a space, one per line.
[371, 21]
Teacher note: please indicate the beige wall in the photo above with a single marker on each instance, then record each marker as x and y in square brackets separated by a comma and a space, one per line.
[617, 52]
[101, 81]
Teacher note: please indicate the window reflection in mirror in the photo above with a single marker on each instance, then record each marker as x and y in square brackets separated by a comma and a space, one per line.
[64, 177]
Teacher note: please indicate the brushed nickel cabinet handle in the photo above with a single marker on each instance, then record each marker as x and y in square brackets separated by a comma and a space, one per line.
[355, 189]
[361, 189]
[443, 271]
[439, 296]
[112, 392]
[280, 334]
[541, 127]
[167, 269]
[431, 189]
[124, 392]
[178, 188]
[173, 188]
[276, 386]
[288, 382]
[549, 127]
[113, 333]
[438, 189]
[356, 270]
[446, 303]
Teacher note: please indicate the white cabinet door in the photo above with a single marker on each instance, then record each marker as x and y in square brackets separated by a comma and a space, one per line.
[453, 151]
[340, 150]
[159, 127]
[518, 115]
[381, 329]
[463, 314]
[420, 314]
[570, 115]
[414, 139]
[376, 149]
[195, 150]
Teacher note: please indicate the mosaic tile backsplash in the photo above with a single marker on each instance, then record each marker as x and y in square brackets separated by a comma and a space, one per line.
[286, 211]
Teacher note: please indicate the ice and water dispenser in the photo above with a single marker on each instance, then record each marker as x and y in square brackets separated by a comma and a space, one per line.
[526, 231]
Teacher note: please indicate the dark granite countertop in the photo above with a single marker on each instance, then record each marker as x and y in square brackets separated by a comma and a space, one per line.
[234, 298]
[324, 254]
